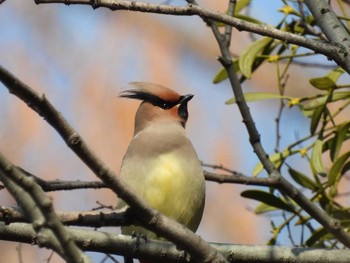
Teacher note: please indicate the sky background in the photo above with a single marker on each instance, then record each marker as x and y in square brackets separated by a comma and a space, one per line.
[82, 58]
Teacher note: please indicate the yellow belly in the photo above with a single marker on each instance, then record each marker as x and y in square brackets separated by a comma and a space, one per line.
[165, 187]
[169, 185]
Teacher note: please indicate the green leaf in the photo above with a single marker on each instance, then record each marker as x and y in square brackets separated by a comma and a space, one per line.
[322, 234]
[298, 29]
[258, 96]
[324, 83]
[336, 73]
[249, 55]
[342, 214]
[316, 159]
[276, 159]
[248, 18]
[272, 241]
[222, 73]
[287, 9]
[306, 113]
[303, 220]
[264, 208]
[333, 192]
[241, 4]
[302, 179]
[338, 140]
[238, 7]
[322, 100]
[329, 81]
[220, 76]
[335, 171]
[318, 235]
[345, 223]
[315, 119]
[267, 198]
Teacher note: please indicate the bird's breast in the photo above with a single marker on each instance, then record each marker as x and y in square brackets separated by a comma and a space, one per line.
[166, 179]
[166, 173]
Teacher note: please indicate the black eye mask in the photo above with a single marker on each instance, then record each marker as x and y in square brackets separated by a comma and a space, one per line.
[156, 101]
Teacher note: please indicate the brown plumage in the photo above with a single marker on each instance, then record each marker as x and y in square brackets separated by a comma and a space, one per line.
[159, 104]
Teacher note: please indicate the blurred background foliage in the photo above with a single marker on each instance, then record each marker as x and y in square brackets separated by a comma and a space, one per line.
[82, 58]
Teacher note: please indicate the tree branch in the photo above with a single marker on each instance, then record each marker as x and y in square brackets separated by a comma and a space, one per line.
[104, 242]
[150, 218]
[336, 52]
[233, 178]
[58, 185]
[328, 21]
[72, 218]
[38, 207]
[329, 223]
[240, 179]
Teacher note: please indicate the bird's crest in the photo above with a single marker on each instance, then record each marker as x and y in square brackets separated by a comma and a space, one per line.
[156, 94]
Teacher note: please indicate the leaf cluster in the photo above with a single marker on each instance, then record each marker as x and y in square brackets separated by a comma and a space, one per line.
[324, 148]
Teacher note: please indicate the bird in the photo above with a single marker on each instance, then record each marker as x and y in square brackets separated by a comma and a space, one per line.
[160, 163]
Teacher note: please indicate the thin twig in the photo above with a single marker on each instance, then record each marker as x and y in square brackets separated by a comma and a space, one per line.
[233, 177]
[334, 51]
[329, 223]
[228, 28]
[58, 185]
[94, 219]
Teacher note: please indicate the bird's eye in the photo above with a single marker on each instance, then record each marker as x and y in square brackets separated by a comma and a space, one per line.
[165, 106]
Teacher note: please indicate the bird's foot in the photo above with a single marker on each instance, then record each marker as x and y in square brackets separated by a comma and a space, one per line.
[138, 237]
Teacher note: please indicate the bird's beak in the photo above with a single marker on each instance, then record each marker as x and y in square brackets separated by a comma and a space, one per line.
[186, 98]
[182, 111]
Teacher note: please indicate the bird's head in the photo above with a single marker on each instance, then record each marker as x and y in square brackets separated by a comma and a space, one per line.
[159, 104]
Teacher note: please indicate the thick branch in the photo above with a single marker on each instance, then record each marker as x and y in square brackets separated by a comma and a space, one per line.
[38, 207]
[337, 53]
[150, 218]
[104, 242]
[328, 21]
